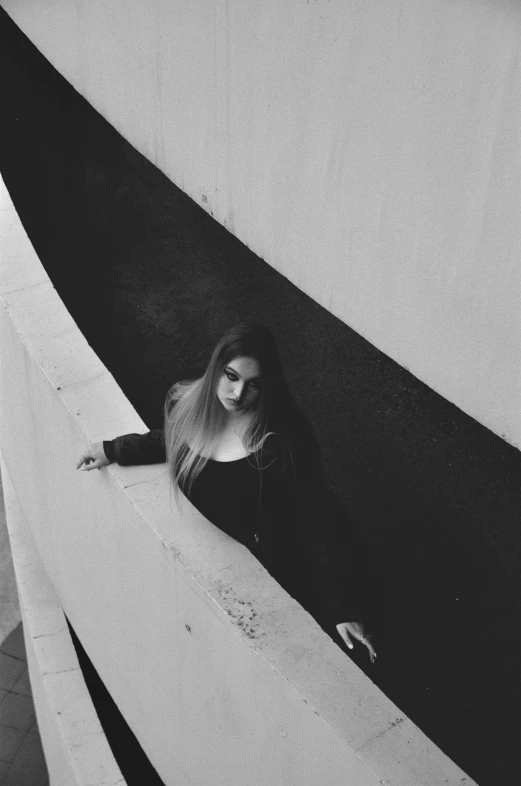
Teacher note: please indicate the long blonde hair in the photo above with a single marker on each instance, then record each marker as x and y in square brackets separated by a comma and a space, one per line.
[194, 415]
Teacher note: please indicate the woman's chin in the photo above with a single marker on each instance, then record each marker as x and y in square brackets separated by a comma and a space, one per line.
[229, 406]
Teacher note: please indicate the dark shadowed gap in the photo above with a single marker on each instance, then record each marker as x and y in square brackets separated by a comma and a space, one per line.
[153, 281]
[130, 756]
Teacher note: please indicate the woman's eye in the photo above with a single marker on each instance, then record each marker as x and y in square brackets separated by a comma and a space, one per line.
[231, 377]
[254, 384]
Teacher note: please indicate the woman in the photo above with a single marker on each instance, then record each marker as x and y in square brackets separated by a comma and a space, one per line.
[244, 454]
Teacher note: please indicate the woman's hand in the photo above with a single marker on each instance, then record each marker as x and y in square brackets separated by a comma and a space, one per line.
[93, 458]
[355, 631]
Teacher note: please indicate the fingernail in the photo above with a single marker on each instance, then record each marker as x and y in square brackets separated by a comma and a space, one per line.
[350, 646]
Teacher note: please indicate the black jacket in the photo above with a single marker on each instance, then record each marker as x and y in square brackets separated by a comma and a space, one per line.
[298, 530]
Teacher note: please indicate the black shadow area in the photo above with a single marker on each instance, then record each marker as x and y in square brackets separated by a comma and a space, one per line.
[152, 281]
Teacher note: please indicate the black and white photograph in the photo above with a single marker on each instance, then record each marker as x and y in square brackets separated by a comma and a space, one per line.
[260, 392]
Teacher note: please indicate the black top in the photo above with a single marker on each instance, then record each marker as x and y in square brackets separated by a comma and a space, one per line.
[227, 494]
[277, 504]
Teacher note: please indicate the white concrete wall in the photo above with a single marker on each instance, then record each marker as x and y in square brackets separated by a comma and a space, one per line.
[223, 678]
[76, 749]
[370, 151]
[9, 606]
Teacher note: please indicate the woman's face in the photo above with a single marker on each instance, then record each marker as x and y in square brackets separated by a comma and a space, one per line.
[239, 387]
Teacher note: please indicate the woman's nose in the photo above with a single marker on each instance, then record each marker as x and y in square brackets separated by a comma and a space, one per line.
[238, 390]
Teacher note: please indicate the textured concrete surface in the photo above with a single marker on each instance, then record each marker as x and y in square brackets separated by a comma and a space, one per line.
[199, 647]
[152, 281]
[76, 748]
[9, 606]
[365, 150]
[22, 761]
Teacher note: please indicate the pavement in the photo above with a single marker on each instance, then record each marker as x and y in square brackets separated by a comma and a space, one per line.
[152, 281]
[22, 761]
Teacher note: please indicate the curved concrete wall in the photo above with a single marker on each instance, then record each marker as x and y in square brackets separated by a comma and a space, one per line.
[368, 151]
[76, 748]
[199, 647]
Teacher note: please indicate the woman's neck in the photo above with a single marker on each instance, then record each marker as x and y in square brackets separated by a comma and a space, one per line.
[237, 422]
[229, 445]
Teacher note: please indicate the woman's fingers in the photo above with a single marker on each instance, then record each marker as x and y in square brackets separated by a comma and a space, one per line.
[367, 642]
[354, 631]
[87, 463]
[84, 462]
[93, 458]
[343, 631]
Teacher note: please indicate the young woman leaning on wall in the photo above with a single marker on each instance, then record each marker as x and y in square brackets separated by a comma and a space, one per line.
[245, 455]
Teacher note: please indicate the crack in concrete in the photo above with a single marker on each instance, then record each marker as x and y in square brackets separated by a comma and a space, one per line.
[25, 286]
[46, 635]
[87, 742]
[61, 671]
[140, 482]
[381, 733]
[81, 381]
[108, 783]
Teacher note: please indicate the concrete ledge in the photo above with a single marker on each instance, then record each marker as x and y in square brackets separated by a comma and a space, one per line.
[66, 716]
[198, 645]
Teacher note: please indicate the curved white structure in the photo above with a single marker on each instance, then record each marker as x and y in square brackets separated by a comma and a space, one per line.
[369, 151]
[223, 677]
[76, 748]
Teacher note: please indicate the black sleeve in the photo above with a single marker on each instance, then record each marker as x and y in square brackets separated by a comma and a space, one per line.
[340, 558]
[340, 555]
[137, 448]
